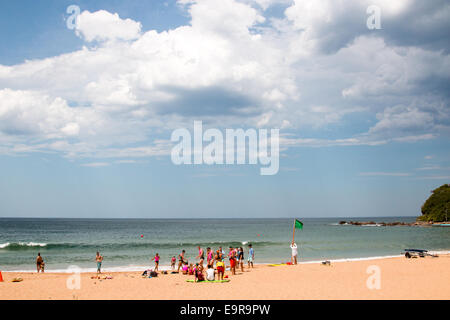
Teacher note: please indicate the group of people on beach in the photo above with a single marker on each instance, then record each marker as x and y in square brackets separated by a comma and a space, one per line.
[217, 257]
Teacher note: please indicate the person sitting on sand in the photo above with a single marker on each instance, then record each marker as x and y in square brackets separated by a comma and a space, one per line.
[39, 262]
[199, 273]
[181, 260]
[294, 253]
[210, 273]
[99, 260]
[156, 258]
[172, 262]
[251, 255]
[220, 269]
[185, 269]
[191, 269]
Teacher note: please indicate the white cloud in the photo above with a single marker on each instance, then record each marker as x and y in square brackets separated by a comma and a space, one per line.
[95, 164]
[102, 25]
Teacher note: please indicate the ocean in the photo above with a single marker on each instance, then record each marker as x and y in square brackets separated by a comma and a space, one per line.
[74, 242]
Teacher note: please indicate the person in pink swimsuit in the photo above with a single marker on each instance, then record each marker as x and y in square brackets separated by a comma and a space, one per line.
[201, 255]
[156, 258]
[209, 256]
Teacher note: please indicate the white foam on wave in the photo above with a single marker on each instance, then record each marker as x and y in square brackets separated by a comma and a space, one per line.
[4, 245]
[137, 268]
[24, 244]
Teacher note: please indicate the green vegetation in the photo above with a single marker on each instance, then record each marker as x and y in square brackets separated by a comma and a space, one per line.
[437, 206]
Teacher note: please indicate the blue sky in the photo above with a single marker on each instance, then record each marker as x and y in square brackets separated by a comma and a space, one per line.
[86, 115]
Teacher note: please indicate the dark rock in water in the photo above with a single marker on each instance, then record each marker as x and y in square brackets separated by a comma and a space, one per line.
[382, 224]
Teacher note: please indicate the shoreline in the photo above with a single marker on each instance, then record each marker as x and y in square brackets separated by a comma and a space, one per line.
[398, 279]
[140, 268]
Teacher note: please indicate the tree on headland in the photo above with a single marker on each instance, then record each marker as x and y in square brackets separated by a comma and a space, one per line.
[437, 206]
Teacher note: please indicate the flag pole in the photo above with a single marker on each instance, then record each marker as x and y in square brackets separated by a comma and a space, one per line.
[293, 232]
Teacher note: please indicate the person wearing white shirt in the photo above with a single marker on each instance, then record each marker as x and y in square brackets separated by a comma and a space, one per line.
[294, 253]
[210, 273]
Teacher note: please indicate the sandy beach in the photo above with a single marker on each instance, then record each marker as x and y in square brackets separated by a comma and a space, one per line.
[399, 278]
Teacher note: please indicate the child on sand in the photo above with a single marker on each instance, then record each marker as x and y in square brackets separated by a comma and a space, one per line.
[172, 262]
[220, 269]
[185, 268]
[210, 273]
[156, 258]
[199, 273]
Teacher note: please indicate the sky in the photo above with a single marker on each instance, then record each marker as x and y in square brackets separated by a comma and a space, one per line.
[89, 100]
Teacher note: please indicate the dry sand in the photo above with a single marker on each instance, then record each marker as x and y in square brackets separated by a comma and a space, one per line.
[400, 278]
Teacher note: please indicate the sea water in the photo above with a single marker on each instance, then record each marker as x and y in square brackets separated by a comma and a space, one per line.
[67, 242]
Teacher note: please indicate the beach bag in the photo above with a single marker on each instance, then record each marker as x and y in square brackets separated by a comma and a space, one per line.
[153, 274]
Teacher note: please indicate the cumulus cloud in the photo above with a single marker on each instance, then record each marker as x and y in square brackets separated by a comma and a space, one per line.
[233, 65]
[102, 25]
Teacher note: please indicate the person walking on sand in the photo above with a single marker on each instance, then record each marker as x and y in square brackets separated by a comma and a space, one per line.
[39, 263]
[156, 258]
[99, 260]
[180, 260]
[294, 253]
[251, 255]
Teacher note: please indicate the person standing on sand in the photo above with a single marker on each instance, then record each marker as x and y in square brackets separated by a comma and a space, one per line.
[39, 262]
[233, 261]
[294, 253]
[241, 258]
[180, 260]
[99, 260]
[251, 255]
[209, 257]
[220, 266]
[201, 255]
[172, 262]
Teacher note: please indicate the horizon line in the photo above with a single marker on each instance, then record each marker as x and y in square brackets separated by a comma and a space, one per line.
[202, 218]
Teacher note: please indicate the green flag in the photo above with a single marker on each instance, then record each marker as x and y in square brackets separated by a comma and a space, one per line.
[298, 224]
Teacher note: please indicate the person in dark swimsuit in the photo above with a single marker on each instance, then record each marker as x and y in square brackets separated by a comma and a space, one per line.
[180, 260]
[39, 262]
[241, 258]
